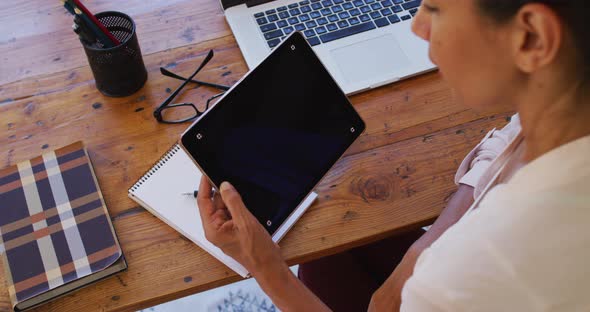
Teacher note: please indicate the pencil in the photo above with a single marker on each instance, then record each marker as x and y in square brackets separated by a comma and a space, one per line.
[87, 22]
[93, 18]
[102, 37]
[68, 7]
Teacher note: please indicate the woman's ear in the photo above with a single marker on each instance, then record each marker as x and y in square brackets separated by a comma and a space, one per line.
[537, 37]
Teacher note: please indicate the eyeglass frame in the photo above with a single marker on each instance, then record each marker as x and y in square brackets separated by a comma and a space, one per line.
[166, 104]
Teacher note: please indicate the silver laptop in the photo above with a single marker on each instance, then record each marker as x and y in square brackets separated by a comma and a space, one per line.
[364, 44]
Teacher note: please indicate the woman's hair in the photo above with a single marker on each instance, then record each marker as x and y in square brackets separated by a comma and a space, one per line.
[575, 15]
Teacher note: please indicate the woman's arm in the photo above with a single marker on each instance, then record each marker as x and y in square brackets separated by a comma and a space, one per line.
[468, 176]
[229, 225]
[388, 296]
[457, 207]
[287, 292]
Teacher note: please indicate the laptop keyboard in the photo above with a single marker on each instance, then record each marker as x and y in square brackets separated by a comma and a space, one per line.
[322, 21]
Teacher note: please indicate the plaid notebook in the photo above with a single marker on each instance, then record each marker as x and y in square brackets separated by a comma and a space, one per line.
[54, 225]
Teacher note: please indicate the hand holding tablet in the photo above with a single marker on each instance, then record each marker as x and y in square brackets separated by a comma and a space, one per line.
[275, 133]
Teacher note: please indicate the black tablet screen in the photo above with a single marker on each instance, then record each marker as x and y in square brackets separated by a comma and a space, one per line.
[277, 133]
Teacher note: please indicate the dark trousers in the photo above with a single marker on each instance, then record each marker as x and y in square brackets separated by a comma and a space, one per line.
[346, 281]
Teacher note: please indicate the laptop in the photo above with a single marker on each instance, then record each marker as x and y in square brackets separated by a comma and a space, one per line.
[364, 44]
[273, 141]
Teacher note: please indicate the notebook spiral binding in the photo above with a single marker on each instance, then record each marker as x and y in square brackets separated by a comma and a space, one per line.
[165, 158]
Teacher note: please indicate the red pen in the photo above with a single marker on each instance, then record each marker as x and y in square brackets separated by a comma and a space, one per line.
[91, 16]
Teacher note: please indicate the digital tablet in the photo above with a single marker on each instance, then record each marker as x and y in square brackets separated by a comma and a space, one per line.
[276, 132]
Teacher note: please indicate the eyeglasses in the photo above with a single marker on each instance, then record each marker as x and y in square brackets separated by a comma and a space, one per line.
[183, 112]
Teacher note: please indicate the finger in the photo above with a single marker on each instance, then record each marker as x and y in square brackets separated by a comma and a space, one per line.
[204, 202]
[220, 215]
[205, 188]
[223, 212]
[227, 213]
[234, 203]
[218, 201]
[218, 221]
[227, 227]
[222, 229]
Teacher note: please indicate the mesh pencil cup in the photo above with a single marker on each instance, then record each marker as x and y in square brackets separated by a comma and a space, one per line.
[118, 71]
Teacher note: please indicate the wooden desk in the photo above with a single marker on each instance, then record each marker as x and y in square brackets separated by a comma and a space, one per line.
[398, 175]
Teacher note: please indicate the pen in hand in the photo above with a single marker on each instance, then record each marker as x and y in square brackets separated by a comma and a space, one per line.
[194, 194]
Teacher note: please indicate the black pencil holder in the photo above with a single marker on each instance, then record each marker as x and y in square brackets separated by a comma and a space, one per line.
[118, 71]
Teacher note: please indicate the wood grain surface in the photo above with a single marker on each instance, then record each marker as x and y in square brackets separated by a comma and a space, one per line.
[396, 177]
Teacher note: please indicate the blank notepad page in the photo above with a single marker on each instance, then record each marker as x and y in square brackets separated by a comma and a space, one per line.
[160, 191]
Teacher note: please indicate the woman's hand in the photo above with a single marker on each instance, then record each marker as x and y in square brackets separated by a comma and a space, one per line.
[229, 225]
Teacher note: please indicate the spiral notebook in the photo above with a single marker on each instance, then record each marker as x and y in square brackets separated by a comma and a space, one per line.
[159, 191]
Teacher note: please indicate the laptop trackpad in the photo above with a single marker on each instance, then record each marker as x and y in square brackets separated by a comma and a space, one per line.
[370, 59]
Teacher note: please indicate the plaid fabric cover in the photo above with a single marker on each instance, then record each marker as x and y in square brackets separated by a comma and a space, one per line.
[54, 226]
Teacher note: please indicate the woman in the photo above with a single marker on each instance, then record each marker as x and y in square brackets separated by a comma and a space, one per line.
[523, 244]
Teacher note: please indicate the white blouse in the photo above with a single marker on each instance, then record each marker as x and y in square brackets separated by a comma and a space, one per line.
[526, 246]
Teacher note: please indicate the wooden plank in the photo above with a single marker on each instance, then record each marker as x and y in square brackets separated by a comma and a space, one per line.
[365, 197]
[40, 31]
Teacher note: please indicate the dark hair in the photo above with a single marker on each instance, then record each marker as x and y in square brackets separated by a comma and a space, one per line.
[575, 15]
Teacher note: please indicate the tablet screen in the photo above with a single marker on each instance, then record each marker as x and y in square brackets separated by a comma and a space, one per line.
[276, 133]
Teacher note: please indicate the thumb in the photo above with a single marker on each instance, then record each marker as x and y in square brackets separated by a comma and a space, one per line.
[234, 203]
